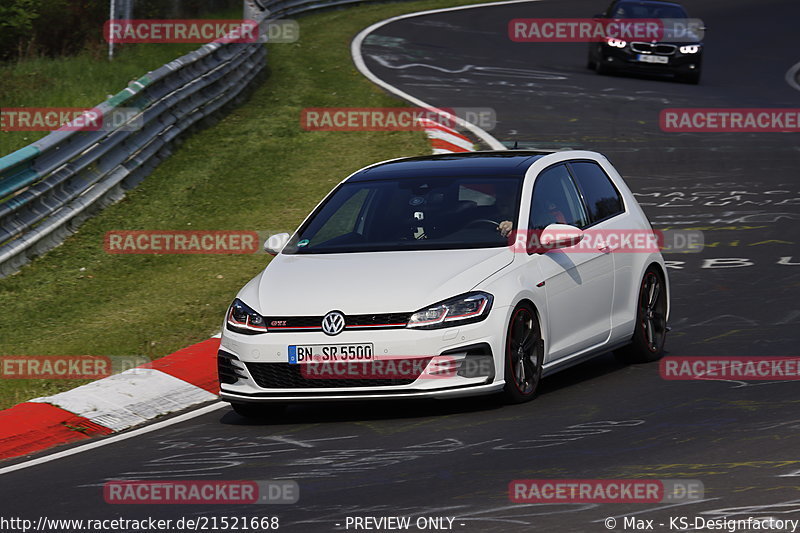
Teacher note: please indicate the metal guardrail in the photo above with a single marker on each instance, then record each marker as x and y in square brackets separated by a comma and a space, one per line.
[56, 183]
[50, 187]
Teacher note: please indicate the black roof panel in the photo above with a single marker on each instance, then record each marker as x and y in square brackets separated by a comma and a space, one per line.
[498, 163]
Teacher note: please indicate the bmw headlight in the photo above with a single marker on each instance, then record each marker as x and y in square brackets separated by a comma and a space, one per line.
[242, 319]
[690, 49]
[616, 43]
[464, 309]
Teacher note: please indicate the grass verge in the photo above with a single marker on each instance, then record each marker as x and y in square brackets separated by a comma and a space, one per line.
[255, 170]
[83, 80]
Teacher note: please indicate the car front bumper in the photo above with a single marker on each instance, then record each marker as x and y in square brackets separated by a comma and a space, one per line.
[625, 59]
[448, 350]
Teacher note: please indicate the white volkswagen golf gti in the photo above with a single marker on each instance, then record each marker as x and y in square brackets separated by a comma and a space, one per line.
[446, 276]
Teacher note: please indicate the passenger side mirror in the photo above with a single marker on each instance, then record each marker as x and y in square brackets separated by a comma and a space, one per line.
[275, 243]
[556, 236]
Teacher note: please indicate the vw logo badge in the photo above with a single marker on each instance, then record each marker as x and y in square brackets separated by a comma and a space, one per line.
[333, 323]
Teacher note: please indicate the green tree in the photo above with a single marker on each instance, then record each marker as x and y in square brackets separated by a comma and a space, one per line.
[16, 26]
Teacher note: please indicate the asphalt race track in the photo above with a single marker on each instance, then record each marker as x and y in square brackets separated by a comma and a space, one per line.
[738, 297]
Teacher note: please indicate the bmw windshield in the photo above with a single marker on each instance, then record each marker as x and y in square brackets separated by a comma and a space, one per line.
[412, 214]
[648, 10]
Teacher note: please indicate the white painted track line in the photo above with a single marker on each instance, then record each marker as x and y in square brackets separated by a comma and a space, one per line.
[791, 76]
[358, 59]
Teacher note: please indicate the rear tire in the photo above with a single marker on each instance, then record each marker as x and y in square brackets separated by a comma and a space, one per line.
[258, 411]
[524, 355]
[651, 321]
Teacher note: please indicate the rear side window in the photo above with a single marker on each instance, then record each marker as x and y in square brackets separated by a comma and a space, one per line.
[602, 198]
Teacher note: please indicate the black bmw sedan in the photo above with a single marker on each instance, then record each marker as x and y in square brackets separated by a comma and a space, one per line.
[678, 52]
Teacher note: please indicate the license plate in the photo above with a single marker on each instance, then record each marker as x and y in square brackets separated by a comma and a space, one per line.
[330, 353]
[645, 58]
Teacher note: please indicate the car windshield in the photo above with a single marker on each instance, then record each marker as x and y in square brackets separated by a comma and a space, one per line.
[412, 214]
[646, 10]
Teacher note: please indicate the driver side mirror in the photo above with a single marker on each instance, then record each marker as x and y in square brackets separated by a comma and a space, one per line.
[275, 243]
[555, 236]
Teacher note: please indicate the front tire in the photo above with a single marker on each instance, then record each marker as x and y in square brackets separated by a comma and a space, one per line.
[601, 68]
[651, 321]
[524, 355]
[591, 64]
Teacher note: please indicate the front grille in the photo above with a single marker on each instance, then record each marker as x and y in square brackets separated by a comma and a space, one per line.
[660, 49]
[379, 320]
[228, 370]
[314, 323]
[665, 49]
[286, 376]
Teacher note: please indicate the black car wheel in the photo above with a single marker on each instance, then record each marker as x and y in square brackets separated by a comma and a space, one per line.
[651, 321]
[601, 68]
[524, 355]
[591, 64]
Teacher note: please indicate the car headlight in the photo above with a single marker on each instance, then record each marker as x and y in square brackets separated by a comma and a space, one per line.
[464, 309]
[616, 43]
[242, 319]
[690, 49]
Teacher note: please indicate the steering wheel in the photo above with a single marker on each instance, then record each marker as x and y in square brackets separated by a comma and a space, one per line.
[482, 221]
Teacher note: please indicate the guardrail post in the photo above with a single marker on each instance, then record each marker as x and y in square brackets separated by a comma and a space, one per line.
[112, 13]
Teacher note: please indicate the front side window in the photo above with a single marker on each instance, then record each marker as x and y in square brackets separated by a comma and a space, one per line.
[346, 217]
[602, 198]
[556, 201]
[411, 214]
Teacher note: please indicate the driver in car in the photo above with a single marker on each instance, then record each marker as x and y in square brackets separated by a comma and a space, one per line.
[505, 228]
